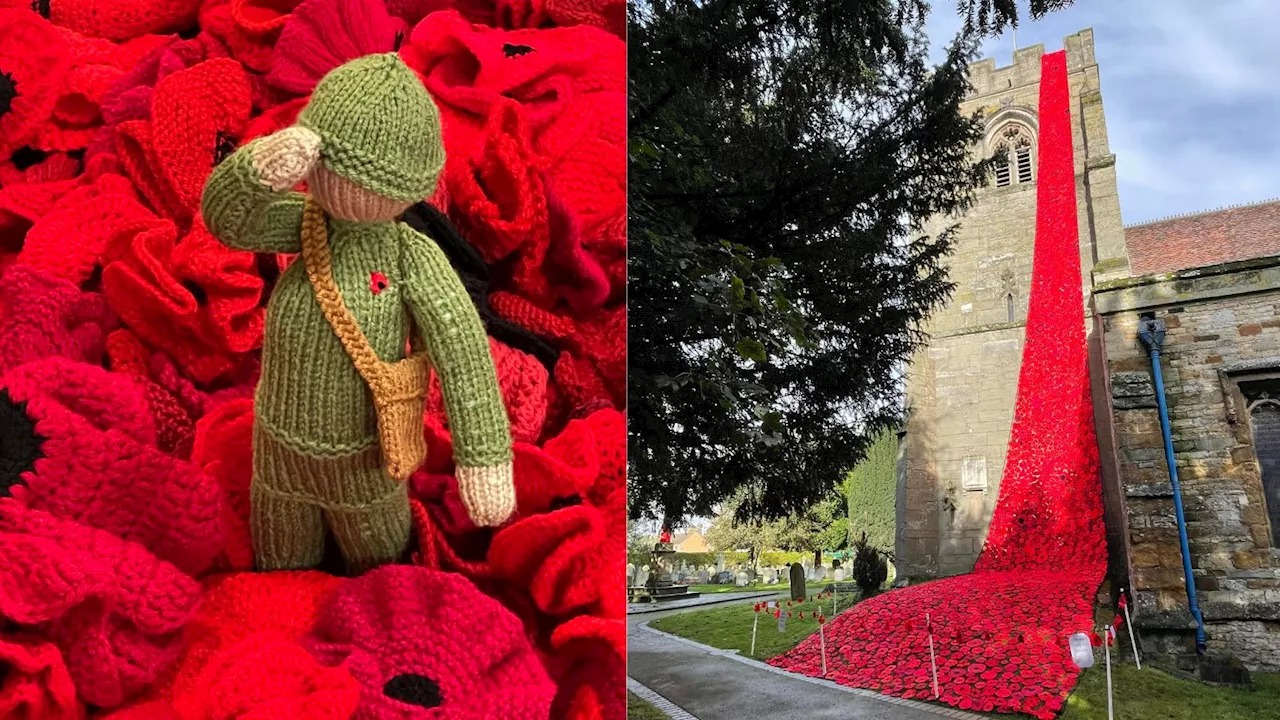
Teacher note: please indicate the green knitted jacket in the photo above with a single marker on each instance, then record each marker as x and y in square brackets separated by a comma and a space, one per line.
[310, 395]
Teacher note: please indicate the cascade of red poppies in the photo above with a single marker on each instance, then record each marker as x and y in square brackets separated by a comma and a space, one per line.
[1001, 631]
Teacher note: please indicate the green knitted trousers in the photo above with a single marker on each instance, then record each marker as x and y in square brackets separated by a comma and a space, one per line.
[294, 496]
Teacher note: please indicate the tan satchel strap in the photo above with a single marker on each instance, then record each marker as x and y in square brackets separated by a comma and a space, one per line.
[315, 255]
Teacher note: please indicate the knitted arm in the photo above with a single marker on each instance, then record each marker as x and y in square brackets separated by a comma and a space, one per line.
[459, 351]
[246, 203]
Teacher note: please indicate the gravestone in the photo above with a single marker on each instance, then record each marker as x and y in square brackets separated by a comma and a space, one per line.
[724, 577]
[642, 575]
[631, 574]
[719, 562]
[839, 574]
[742, 579]
[770, 576]
[797, 582]
[704, 577]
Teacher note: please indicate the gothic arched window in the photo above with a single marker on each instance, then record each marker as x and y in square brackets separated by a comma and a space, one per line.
[1010, 308]
[1013, 153]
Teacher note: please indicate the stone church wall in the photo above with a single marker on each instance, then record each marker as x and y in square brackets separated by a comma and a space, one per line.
[1223, 337]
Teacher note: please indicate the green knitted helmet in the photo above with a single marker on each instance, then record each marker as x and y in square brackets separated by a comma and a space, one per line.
[379, 126]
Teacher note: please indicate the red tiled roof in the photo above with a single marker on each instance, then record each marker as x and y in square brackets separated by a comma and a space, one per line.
[1190, 241]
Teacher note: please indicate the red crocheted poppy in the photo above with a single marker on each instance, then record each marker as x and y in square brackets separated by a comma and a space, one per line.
[43, 316]
[36, 683]
[469, 68]
[496, 194]
[224, 449]
[249, 28]
[196, 299]
[201, 110]
[33, 58]
[95, 460]
[130, 97]
[121, 19]
[419, 639]
[84, 227]
[608, 15]
[320, 35]
[112, 609]
[568, 557]
[522, 381]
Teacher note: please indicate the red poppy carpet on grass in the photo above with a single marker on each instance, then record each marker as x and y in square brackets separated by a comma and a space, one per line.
[1000, 633]
[129, 351]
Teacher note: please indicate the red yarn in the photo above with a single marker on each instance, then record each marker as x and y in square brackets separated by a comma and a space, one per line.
[42, 316]
[523, 383]
[195, 299]
[196, 109]
[320, 35]
[224, 449]
[100, 466]
[112, 608]
[1000, 633]
[122, 19]
[249, 28]
[411, 622]
[34, 58]
[35, 683]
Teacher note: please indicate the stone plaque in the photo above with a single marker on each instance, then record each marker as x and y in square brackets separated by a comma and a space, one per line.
[973, 474]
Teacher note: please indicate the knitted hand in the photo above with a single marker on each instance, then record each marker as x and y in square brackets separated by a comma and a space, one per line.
[488, 492]
[284, 158]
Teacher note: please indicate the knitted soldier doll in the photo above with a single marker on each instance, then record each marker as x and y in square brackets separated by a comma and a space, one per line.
[334, 353]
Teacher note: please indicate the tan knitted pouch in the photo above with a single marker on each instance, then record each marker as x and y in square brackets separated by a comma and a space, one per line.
[400, 388]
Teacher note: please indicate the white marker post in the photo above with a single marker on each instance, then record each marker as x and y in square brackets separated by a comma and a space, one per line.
[754, 624]
[933, 662]
[835, 599]
[1124, 605]
[822, 638]
[1107, 635]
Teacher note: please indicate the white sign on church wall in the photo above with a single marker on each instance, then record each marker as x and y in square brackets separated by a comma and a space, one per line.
[973, 473]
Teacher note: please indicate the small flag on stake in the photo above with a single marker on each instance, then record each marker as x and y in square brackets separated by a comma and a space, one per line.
[754, 624]
[933, 661]
[1110, 634]
[822, 638]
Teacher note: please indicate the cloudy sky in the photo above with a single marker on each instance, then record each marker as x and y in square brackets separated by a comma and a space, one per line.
[1191, 91]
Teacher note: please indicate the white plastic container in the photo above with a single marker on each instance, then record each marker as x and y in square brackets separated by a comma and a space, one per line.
[1081, 650]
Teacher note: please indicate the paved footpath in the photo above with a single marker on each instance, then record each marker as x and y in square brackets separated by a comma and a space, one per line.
[704, 683]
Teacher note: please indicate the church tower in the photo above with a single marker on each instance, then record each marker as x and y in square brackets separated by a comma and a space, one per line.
[960, 388]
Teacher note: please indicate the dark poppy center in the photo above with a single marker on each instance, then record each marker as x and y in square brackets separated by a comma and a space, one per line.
[565, 501]
[414, 689]
[8, 91]
[224, 145]
[513, 50]
[42, 7]
[20, 446]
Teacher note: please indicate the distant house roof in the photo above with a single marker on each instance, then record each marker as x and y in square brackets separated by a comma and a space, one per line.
[695, 539]
[1242, 232]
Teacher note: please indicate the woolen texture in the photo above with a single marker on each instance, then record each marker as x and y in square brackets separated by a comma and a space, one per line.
[402, 627]
[380, 128]
[317, 453]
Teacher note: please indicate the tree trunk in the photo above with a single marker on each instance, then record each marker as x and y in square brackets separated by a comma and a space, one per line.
[817, 558]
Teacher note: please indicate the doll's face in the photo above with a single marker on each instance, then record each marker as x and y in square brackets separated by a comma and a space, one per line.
[346, 200]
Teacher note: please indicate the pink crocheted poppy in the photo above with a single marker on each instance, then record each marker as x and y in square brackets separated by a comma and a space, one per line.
[422, 640]
[113, 609]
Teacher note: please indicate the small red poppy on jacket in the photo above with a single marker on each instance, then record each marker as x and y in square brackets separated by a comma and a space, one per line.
[377, 282]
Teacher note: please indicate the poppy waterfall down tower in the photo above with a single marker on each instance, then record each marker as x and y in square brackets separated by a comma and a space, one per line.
[1000, 632]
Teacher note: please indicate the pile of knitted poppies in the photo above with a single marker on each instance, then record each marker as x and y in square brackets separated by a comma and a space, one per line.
[1000, 633]
[129, 350]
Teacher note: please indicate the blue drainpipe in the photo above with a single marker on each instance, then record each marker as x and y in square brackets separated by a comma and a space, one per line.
[1151, 333]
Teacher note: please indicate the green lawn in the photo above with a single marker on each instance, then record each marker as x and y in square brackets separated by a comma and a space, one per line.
[711, 589]
[1146, 694]
[730, 627]
[638, 709]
